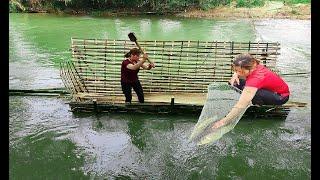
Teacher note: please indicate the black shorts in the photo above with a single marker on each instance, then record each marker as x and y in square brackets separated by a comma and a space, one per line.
[126, 89]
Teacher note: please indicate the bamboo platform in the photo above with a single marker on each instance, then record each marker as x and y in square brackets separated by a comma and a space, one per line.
[183, 71]
[174, 103]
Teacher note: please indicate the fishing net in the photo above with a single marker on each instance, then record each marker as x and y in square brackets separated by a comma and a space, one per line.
[221, 98]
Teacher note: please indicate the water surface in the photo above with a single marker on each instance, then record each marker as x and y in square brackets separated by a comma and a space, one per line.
[47, 141]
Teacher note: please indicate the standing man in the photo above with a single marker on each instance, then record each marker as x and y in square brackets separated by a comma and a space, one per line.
[129, 74]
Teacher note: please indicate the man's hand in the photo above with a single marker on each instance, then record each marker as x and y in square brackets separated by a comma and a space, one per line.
[143, 60]
[218, 124]
[145, 56]
[151, 65]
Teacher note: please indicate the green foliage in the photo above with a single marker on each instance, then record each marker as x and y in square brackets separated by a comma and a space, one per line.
[80, 4]
[13, 8]
[297, 1]
[250, 3]
[16, 6]
[174, 5]
[52, 5]
[58, 5]
[207, 4]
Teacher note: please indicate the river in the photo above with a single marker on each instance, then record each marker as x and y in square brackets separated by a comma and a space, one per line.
[47, 141]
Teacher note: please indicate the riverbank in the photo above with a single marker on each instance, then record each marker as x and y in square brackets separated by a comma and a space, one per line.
[275, 9]
[271, 9]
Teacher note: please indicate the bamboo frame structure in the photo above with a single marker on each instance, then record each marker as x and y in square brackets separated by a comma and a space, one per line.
[181, 66]
[183, 71]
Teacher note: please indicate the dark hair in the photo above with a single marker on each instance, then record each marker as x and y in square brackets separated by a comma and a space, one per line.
[245, 61]
[132, 51]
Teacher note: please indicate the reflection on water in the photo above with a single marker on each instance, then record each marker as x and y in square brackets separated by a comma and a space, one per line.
[31, 75]
[30, 67]
[48, 141]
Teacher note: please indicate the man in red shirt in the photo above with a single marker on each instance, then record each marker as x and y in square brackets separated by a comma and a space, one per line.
[259, 86]
[129, 74]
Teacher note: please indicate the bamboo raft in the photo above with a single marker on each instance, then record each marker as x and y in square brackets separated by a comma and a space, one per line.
[179, 83]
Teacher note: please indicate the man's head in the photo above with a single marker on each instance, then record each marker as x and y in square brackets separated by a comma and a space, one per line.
[133, 51]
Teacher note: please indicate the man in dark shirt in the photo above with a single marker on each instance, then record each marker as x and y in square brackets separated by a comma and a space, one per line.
[129, 74]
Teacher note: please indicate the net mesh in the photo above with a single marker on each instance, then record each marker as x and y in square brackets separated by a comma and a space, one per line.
[221, 98]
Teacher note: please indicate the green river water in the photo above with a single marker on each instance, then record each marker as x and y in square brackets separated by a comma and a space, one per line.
[47, 141]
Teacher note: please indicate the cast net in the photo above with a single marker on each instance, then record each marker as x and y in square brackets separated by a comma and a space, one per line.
[221, 98]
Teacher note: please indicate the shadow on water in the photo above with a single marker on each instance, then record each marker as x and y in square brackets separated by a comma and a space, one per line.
[138, 125]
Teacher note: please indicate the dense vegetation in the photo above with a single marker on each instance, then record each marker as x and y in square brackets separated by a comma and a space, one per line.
[130, 5]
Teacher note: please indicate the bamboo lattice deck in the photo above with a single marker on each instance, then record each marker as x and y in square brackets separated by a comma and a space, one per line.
[184, 69]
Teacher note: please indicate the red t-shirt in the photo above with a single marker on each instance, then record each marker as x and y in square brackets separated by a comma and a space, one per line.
[264, 78]
[128, 75]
